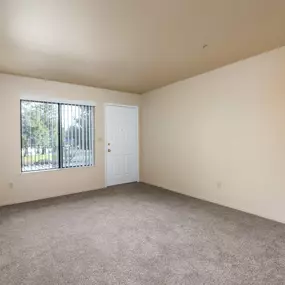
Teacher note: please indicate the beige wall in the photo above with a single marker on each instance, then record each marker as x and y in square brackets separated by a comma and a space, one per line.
[32, 186]
[221, 136]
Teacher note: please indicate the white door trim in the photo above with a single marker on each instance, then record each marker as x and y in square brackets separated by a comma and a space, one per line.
[105, 138]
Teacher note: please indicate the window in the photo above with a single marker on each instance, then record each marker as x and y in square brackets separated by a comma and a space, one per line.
[55, 135]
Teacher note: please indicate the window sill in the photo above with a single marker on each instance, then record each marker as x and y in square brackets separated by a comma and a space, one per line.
[56, 169]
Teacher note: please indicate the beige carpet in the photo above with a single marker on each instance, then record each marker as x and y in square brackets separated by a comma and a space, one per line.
[137, 234]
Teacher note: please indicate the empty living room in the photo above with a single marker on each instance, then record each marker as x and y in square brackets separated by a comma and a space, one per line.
[142, 142]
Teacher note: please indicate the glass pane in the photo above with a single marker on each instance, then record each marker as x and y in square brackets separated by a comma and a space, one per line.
[77, 135]
[39, 133]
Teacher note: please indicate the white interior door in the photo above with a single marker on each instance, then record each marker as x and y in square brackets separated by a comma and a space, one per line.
[121, 144]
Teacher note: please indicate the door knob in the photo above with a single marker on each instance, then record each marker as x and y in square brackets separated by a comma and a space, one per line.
[109, 150]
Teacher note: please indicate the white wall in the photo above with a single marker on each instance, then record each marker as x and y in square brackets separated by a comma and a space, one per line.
[32, 186]
[221, 136]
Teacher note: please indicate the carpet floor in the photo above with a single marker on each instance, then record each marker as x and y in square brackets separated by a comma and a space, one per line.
[137, 234]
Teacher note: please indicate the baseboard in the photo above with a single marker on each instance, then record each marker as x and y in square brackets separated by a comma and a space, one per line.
[49, 197]
[215, 202]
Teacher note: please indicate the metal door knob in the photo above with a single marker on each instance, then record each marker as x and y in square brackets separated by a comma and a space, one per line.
[109, 150]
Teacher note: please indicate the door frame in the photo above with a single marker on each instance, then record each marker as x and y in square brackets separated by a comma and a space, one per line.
[105, 137]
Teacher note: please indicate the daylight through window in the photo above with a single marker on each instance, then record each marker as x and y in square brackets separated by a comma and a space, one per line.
[55, 135]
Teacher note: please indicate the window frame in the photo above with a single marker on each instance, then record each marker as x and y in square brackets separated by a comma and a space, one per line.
[60, 163]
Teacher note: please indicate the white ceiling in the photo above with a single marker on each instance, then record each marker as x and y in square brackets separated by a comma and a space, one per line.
[133, 45]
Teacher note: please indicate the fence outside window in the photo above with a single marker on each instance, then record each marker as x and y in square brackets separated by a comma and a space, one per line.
[56, 135]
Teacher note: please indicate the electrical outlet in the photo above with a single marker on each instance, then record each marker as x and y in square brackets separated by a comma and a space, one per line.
[11, 185]
[219, 184]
